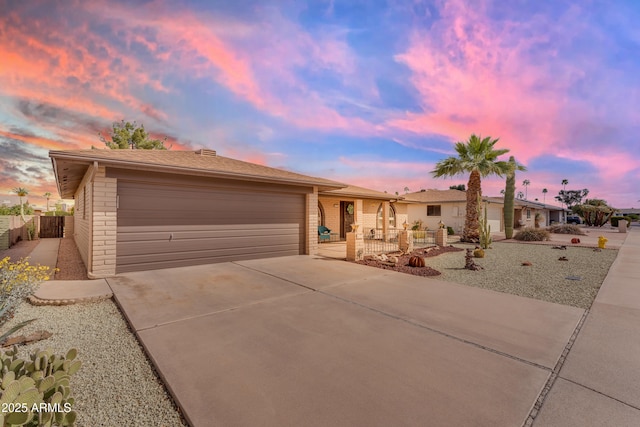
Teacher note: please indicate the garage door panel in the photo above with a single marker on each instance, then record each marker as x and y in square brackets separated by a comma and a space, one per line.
[162, 233]
[154, 207]
[170, 255]
[162, 226]
[201, 244]
[259, 216]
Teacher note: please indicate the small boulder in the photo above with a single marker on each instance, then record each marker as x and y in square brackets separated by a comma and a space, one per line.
[527, 263]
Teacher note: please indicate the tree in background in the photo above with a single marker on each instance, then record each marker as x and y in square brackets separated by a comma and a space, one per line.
[544, 195]
[509, 195]
[47, 195]
[460, 187]
[596, 212]
[127, 135]
[16, 210]
[406, 190]
[21, 192]
[478, 158]
[572, 197]
[564, 186]
[526, 184]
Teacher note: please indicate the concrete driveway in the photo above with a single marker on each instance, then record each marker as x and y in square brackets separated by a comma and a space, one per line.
[316, 342]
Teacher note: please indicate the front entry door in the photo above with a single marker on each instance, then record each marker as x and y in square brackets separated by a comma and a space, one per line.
[346, 218]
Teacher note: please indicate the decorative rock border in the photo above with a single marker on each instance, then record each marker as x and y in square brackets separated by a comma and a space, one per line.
[38, 302]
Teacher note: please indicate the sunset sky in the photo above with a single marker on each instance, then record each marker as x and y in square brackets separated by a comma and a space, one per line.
[370, 93]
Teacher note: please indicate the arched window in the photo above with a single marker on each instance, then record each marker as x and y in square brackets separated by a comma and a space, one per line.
[392, 217]
[320, 214]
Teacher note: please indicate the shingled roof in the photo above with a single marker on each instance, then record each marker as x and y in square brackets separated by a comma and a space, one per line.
[437, 196]
[70, 166]
[359, 192]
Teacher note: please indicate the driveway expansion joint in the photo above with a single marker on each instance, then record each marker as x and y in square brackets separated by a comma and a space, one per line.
[600, 393]
[439, 332]
[212, 313]
[535, 410]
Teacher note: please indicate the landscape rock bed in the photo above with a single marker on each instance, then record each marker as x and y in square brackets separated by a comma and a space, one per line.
[116, 385]
[402, 265]
[524, 269]
[70, 265]
[533, 271]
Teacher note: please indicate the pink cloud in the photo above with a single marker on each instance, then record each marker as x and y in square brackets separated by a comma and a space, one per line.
[257, 62]
[474, 76]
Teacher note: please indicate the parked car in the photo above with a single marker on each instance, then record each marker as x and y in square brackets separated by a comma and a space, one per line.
[574, 219]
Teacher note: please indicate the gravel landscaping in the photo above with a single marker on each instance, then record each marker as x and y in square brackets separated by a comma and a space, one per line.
[116, 385]
[574, 282]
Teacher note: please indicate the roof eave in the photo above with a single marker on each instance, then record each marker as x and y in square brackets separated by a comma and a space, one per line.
[324, 185]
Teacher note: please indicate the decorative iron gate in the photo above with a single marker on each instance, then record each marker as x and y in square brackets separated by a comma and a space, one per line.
[51, 227]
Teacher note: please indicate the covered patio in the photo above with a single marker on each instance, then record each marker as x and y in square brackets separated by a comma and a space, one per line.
[374, 212]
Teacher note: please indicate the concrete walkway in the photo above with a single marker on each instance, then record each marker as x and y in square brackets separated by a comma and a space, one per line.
[60, 292]
[45, 253]
[599, 383]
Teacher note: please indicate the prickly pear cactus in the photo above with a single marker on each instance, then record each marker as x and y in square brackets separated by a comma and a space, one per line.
[36, 392]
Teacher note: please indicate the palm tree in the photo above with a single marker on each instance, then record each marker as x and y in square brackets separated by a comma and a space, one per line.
[526, 183]
[21, 192]
[478, 158]
[48, 196]
[564, 186]
[406, 190]
[520, 195]
[544, 195]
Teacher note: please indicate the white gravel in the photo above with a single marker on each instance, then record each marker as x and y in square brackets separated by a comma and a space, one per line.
[546, 279]
[116, 385]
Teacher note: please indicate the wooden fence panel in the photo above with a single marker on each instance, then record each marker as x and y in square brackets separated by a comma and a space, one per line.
[51, 227]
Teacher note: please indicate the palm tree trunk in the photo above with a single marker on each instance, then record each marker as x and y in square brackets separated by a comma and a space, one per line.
[471, 232]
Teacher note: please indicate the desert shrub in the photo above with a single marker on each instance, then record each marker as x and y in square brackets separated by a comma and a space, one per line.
[565, 229]
[532, 235]
[450, 231]
[18, 280]
[616, 219]
[419, 234]
[417, 225]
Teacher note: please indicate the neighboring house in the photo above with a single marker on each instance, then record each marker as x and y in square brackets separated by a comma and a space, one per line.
[373, 210]
[627, 211]
[525, 213]
[449, 207]
[148, 209]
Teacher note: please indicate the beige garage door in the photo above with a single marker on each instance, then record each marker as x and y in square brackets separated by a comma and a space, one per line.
[163, 226]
